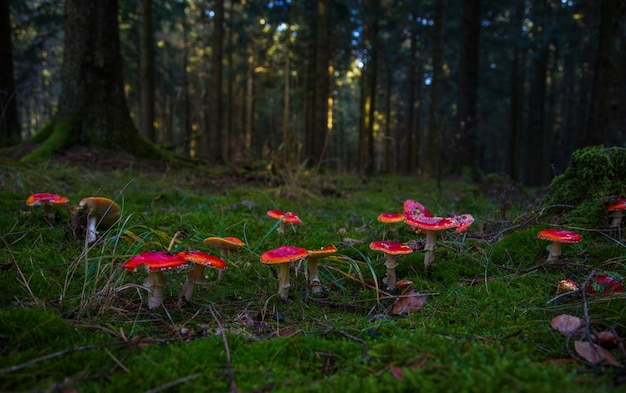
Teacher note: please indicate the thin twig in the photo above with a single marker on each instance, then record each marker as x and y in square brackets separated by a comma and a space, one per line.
[229, 370]
[330, 329]
[173, 383]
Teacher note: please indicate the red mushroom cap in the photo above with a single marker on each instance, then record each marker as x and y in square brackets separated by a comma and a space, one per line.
[559, 235]
[154, 260]
[414, 208]
[464, 220]
[619, 205]
[46, 199]
[229, 243]
[284, 254]
[287, 217]
[323, 252]
[202, 258]
[428, 223]
[391, 247]
[390, 218]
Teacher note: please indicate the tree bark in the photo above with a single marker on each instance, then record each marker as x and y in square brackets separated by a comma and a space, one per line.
[146, 70]
[465, 141]
[9, 119]
[216, 101]
[92, 107]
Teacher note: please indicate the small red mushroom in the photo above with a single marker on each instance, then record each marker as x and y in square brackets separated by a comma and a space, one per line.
[414, 208]
[226, 245]
[616, 212]
[47, 201]
[283, 256]
[430, 225]
[285, 218]
[155, 262]
[312, 261]
[557, 237]
[392, 219]
[605, 284]
[391, 249]
[195, 276]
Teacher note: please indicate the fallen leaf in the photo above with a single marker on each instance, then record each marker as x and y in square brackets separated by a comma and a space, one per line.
[568, 325]
[396, 372]
[606, 339]
[410, 302]
[595, 354]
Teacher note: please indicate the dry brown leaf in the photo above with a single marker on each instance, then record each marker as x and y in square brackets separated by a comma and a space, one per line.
[568, 325]
[606, 339]
[409, 303]
[595, 354]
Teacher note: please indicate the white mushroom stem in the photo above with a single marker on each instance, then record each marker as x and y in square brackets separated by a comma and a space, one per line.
[429, 249]
[194, 276]
[616, 218]
[281, 227]
[390, 279]
[554, 251]
[283, 280]
[154, 282]
[224, 253]
[314, 279]
[91, 234]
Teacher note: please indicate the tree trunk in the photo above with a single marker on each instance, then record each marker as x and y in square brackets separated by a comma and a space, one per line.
[92, 108]
[465, 141]
[321, 83]
[216, 104]
[146, 70]
[609, 112]
[434, 139]
[9, 119]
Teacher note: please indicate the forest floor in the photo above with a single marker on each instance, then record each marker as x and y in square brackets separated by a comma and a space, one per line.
[486, 318]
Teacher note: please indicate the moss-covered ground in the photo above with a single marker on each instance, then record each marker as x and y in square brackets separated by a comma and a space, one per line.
[72, 320]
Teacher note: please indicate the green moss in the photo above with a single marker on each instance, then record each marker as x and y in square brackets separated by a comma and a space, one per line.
[595, 177]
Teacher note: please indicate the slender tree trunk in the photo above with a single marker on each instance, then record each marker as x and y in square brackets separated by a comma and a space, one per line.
[146, 70]
[9, 119]
[609, 106]
[465, 141]
[321, 84]
[287, 149]
[92, 108]
[216, 102]
[434, 143]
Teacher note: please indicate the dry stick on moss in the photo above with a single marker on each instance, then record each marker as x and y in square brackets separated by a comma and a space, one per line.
[229, 369]
[329, 329]
[173, 383]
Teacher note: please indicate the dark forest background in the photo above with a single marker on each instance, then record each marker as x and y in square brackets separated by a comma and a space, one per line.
[429, 87]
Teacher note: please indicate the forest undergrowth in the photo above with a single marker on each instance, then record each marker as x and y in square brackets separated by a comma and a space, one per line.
[492, 315]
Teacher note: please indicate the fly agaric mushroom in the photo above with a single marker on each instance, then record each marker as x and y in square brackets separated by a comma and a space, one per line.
[225, 244]
[557, 237]
[196, 274]
[101, 213]
[47, 201]
[283, 256]
[312, 261]
[616, 212]
[464, 221]
[155, 262]
[392, 219]
[285, 218]
[391, 249]
[414, 208]
[430, 226]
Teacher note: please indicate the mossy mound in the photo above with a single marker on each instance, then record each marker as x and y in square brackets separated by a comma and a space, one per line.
[594, 178]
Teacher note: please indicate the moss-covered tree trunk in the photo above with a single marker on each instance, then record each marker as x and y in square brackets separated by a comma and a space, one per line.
[92, 107]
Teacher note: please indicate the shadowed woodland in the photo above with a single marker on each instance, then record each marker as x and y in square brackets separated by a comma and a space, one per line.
[432, 87]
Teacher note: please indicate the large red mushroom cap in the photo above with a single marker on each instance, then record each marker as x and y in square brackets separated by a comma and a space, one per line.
[46, 199]
[559, 235]
[414, 208]
[284, 254]
[429, 223]
[154, 260]
[619, 205]
[464, 220]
